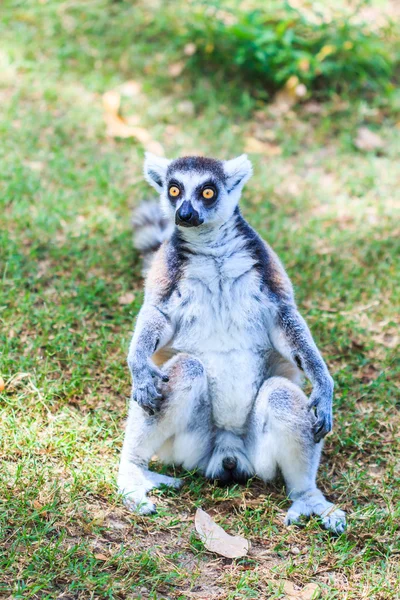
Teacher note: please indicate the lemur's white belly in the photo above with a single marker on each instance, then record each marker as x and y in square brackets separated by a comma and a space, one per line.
[234, 379]
[222, 319]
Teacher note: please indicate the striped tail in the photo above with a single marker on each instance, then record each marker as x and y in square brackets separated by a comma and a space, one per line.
[150, 230]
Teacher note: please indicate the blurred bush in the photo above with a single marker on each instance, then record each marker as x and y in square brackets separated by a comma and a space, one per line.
[269, 45]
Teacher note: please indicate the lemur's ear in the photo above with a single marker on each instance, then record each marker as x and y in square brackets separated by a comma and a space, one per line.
[237, 171]
[155, 170]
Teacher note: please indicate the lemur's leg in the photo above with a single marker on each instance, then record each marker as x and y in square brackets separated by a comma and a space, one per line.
[281, 435]
[229, 461]
[183, 421]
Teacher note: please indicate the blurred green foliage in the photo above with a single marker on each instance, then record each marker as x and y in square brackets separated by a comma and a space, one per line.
[271, 44]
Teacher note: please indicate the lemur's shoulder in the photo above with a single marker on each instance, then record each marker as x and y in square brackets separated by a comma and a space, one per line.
[276, 276]
[166, 269]
[157, 279]
[271, 270]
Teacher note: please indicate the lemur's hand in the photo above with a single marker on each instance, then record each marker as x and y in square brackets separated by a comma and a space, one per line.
[321, 402]
[144, 390]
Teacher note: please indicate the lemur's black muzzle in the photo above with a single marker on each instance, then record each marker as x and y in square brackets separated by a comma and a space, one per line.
[187, 216]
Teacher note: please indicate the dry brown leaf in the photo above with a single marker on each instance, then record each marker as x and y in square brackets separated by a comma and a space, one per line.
[101, 557]
[216, 539]
[132, 120]
[126, 298]
[111, 102]
[289, 589]
[119, 127]
[367, 140]
[255, 146]
[2, 384]
[155, 148]
[310, 592]
[139, 132]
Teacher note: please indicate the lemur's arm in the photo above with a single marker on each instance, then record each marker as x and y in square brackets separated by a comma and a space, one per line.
[292, 338]
[153, 331]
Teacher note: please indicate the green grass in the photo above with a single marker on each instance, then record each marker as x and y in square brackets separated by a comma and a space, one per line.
[329, 210]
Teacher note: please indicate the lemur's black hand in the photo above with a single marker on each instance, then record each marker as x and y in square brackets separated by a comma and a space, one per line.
[321, 402]
[144, 391]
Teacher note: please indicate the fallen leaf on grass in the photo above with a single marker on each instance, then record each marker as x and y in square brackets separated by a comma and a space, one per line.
[111, 102]
[101, 557]
[216, 539]
[367, 140]
[309, 591]
[2, 384]
[289, 589]
[119, 127]
[255, 146]
[127, 298]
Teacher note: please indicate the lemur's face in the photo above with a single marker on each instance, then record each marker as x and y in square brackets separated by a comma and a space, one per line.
[198, 191]
[195, 189]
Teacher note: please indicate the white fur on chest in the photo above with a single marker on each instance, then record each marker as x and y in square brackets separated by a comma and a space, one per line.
[222, 318]
[220, 306]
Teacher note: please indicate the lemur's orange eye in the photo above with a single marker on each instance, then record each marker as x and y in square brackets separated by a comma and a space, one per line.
[208, 193]
[174, 191]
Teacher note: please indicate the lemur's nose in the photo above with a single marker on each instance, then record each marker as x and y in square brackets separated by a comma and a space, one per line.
[185, 212]
[187, 216]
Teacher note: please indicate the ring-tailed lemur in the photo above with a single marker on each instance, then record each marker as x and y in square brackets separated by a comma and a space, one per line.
[218, 348]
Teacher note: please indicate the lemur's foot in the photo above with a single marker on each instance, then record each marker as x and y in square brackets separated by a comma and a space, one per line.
[334, 520]
[159, 480]
[141, 506]
[314, 503]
